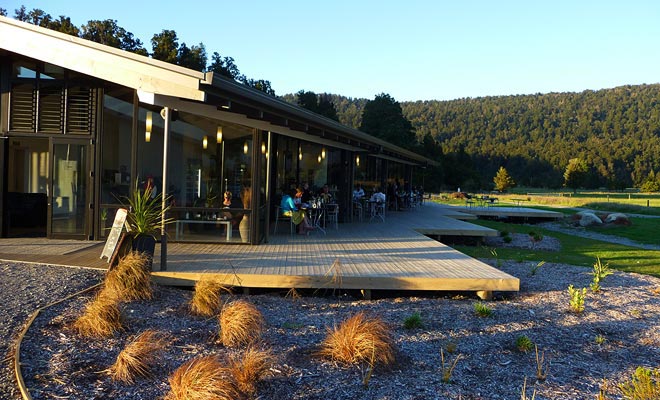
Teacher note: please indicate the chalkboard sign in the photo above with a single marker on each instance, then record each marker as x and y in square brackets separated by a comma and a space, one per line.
[115, 234]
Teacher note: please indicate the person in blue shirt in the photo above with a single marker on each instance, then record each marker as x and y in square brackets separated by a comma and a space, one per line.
[299, 217]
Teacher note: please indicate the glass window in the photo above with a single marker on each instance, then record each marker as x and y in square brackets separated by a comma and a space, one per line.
[24, 69]
[116, 145]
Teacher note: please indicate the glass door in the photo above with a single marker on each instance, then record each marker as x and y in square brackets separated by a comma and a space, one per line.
[69, 200]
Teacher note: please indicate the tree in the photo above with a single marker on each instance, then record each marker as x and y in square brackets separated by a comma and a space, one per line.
[575, 173]
[224, 66]
[382, 117]
[320, 104]
[259, 84]
[503, 181]
[193, 57]
[652, 183]
[165, 46]
[64, 25]
[107, 32]
[3, 12]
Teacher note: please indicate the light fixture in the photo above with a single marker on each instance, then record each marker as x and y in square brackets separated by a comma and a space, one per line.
[300, 153]
[218, 135]
[148, 127]
[319, 158]
[357, 160]
[205, 142]
[323, 153]
[263, 147]
[245, 147]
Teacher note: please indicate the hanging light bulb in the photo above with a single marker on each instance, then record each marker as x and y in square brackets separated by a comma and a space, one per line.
[357, 160]
[263, 147]
[205, 142]
[245, 147]
[147, 136]
[319, 158]
[299, 153]
[218, 135]
[323, 153]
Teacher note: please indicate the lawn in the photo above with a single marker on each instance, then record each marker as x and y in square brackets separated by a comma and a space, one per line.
[574, 250]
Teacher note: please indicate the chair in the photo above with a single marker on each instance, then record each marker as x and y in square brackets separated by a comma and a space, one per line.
[332, 214]
[378, 211]
[279, 216]
[358, 209]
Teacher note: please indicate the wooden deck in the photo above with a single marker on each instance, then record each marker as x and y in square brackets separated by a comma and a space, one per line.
[511, 212]
[390, 255]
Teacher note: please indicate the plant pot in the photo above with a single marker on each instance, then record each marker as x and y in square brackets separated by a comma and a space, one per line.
[145, 244]
[244, 229]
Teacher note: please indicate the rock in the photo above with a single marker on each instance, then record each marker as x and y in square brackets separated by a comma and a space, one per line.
[618, 219]
[589, 219]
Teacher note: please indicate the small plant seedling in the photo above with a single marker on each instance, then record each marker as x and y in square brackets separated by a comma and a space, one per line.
[576, 301]
[524, 344]
[599, 273]
[482, 309]
[507, 239]
[599, 339]
[413, 321]
[494, 253]
[447, 367]
[504, 233]
[536, 267]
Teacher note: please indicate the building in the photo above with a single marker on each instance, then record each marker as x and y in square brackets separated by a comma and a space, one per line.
[82, 124]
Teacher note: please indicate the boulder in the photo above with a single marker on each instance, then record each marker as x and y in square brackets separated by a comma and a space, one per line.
[589, 219]
[618, 219]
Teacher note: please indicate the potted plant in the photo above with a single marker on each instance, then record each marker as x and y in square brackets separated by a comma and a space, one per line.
[144, 219]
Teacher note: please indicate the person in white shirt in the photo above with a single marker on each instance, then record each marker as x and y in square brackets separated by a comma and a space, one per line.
[378, 196]
[358, 192]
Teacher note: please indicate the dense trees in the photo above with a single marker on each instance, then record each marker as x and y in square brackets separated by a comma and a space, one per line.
[320, 104]
[165, 45]
[575, 174]
[382, 117]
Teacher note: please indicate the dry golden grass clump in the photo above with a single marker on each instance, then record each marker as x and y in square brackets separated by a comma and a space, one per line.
[101, 318]
[359, 339]
[249, 368]
[130, 279]
[240, 323]
[206, 301]
[203, 378]
[137, 358]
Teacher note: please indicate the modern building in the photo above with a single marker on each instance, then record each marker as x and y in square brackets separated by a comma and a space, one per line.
[82, 124]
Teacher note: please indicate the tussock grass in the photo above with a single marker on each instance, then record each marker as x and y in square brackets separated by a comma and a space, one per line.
[240, 323]
[207, 301]
[130, 279]
[357, 340]
[248, 369]
[137, 358]
[101, 318]
[203, 378]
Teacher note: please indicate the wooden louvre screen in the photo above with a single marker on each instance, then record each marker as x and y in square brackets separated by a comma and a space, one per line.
[81, 106]
[23, 107]
[51, 109]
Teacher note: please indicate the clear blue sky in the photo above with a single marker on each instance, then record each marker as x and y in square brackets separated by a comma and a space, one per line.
[412, 49]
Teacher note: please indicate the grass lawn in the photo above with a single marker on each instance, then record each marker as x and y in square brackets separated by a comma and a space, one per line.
[575, 251]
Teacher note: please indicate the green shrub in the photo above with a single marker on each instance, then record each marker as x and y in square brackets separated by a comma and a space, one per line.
[507, 239]
[414, 321]
[644, 385]
[599, 273]
[524, 344]
[482, 309]
[504, 233]
[576, 301]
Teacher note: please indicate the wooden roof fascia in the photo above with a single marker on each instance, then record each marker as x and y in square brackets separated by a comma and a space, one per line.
[100, 61]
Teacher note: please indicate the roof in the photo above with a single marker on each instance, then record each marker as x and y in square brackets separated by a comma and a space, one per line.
[172, 81]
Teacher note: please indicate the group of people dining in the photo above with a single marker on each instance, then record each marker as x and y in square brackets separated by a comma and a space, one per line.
[295, 203]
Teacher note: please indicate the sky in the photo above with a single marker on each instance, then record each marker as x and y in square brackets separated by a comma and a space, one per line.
[409, 49]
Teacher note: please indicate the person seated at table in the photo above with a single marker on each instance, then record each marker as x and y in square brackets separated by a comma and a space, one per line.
[325, 194]
[299, 217]
[358, 192]
[297, 198]
[306, 194]
[378, 196]
[228, 201]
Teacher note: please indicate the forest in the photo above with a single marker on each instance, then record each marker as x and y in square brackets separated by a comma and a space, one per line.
[615, 131]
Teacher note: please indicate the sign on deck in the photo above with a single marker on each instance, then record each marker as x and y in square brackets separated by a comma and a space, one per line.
[115, 234]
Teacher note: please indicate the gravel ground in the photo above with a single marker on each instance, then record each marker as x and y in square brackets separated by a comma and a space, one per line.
[23, 289]
[625, 315]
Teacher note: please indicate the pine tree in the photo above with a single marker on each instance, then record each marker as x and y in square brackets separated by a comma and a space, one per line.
[503, 180]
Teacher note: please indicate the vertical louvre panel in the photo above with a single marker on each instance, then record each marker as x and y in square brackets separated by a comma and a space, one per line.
[80, 109]
[22, 107]
[51, 110]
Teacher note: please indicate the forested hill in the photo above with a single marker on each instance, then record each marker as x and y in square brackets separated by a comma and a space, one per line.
[616, 131]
